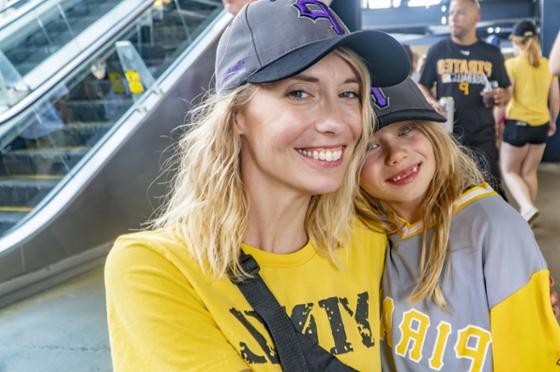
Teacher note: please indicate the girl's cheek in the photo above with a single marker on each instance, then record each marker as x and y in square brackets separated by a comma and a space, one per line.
[367, 175]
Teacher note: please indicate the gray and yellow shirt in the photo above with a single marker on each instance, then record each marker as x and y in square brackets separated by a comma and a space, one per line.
[496, 284]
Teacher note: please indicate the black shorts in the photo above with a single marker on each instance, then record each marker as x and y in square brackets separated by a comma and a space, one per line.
[519, 133]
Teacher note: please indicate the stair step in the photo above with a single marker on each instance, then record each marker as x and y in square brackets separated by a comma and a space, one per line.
[20, 194]
[42, 161]
[78, 134]
[97, 110]
[10, 219]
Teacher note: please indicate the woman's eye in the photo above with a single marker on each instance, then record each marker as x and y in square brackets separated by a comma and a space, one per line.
[405, 129]
[372, 146]
[298, 94]
[350, 94]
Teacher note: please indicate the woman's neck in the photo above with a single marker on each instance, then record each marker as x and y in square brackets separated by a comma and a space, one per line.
[276, 221]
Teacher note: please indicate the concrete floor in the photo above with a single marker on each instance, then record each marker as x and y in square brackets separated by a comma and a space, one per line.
[64, 328]
[61, 329]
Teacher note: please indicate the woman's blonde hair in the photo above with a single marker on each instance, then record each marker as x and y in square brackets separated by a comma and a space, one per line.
[455, 172]
[207, 206]
[530, 47]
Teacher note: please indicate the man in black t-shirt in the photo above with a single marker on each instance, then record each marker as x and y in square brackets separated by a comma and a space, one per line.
[460, 67]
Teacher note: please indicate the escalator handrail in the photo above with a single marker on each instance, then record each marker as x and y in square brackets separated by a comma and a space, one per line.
[81, 175]
[9, 118]
[27, 8]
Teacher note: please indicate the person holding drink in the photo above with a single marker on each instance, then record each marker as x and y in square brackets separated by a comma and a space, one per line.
[461, 67]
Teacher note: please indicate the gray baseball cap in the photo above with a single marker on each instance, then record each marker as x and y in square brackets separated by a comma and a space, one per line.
[270, 40]
[402, 102]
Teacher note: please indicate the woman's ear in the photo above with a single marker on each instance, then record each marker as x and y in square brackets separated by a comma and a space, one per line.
[239, 122]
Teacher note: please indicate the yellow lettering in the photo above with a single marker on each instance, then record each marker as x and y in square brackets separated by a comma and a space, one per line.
[387, 320]
[464, 69]
[441, 67]
[464, 87]
[436, 360]
[456, 65]
[488, 68]
[473, 67]
[475, 352]
[414, 327]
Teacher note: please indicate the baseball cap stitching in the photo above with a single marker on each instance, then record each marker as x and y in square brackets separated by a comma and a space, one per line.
[252, 35]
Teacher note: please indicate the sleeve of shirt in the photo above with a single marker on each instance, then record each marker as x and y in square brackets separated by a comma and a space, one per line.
[500, 74]
[428, 75]
[525, 333]
[510, 68]
[157, 322]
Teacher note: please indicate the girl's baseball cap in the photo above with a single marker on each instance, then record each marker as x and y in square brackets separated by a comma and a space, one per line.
[271, 40]
[402, 102]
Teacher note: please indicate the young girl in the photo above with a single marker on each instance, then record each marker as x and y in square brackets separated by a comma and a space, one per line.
[465, 285]
[531, 117]
[268, 168]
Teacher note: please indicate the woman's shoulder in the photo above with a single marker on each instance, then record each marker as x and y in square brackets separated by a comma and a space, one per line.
[151, 247]
[362, 230]
[368, 240]
[156, 240]
[515, 62]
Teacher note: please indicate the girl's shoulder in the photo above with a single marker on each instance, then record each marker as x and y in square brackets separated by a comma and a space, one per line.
[483, 214]
[482, 203]
[478, 194]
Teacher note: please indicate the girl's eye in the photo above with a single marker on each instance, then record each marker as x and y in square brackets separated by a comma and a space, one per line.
[350, 94]
[298, 94]
[372, 146]
[405, 129]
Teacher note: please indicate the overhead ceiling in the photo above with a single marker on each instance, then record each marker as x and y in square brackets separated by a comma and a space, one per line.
[497, 18]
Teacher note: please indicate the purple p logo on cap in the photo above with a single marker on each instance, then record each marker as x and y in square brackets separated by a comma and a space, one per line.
[325, 12]
[379, 98]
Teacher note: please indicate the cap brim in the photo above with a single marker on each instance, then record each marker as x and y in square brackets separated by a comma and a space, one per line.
[386, 59]
[405, 115]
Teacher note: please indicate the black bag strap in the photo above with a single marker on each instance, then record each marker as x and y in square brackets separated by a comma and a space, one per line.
[290, 352]
[294, 349]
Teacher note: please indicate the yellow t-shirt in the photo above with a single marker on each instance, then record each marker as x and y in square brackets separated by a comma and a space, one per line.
[165, 314]
[530, 91]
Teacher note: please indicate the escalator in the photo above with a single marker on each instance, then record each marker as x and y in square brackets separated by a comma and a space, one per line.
[76, 166]
[51, 30]
[39, 37]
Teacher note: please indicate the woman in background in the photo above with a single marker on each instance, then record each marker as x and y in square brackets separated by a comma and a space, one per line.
[530, 118]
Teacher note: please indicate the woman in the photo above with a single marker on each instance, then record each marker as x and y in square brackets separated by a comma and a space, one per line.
[465, 286]
[531, 118]
[269, 169]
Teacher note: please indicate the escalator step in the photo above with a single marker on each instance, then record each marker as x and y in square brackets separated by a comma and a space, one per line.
[9, 219]
[24, 192]
[79, 134]
[53, 161]
[97, 110]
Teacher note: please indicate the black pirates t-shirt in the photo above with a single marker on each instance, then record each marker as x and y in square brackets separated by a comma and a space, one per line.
[461, 71]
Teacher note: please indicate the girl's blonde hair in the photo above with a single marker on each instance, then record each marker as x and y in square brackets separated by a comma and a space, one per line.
[455, 172]
[530, 47]
[207, 206]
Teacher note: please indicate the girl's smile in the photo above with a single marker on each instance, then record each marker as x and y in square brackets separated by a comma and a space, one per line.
[405, 176]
